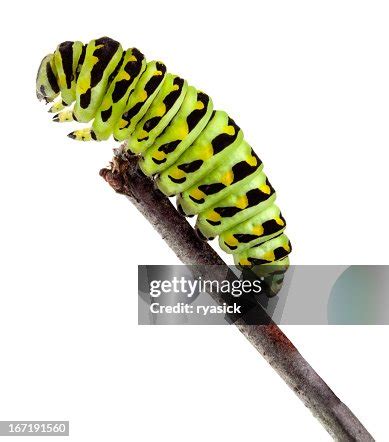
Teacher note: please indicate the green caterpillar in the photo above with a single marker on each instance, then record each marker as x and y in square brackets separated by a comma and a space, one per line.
[192, 150]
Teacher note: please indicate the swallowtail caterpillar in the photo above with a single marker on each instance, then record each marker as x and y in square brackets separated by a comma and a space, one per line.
[193, 151]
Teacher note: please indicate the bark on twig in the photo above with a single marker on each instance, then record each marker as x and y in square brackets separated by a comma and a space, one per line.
[125, 178]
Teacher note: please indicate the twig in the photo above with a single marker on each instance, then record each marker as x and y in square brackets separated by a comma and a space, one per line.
[125, 178]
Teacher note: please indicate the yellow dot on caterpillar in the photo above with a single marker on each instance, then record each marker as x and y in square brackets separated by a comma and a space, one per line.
[93, 59]
[206, 151]
[83, 85]
[142, 96]
[122, 124]
[279, 221]
[231, 240]
[106, 104]
[160, 110]
[228, 178]
[199, 105]
[181, 131]
[287, 247]
[197, 194]
[158, 73]
[158, 155]
[269, 256]
[213, 216]
[244, 262]
[258, 230]
[175, 87]
[251, 160]
[142, 134]
[264, 188]
[123, 75]
[132, 58]
[229, 130]
[177, 173]
[242, 202]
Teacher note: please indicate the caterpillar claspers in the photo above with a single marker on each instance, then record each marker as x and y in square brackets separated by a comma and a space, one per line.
[195, 152]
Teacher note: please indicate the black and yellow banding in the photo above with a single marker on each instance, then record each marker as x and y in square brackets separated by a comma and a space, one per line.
[256, 230]
[235, 170]
[193, 151]
[275, 249]
[66, 59]
[140, 99]
[160, 113]
[101, 58]
[128, 72]
[219, 136]
[181, 132]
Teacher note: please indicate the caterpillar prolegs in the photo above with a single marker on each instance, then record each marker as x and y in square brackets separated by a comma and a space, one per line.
[193, 151]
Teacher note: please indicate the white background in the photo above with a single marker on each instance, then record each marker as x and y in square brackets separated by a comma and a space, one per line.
[308, 83]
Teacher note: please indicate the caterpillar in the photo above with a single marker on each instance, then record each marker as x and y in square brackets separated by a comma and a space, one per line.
[193, 151]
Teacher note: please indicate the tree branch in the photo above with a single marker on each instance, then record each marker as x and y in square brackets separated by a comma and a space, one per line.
[125, 178]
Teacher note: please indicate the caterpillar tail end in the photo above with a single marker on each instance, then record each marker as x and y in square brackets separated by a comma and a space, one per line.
[272, 275]
[63, 117]
[83, 135]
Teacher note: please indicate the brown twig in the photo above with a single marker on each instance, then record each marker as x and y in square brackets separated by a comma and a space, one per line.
[125, 178]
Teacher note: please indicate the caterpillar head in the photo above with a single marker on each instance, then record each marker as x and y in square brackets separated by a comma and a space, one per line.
[46, 80]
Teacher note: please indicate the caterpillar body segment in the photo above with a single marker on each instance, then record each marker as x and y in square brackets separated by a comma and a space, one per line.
[130, 68]
[194, 152]
[182, 131]
[140, 99]
[101, 58]
[210, 199]
[271, 273]
[161, 112]
[247, 200]
[66, 58]
[256, 230]
[276, 249]
[234, 170]
[204, 154]
[121, 84]
[268, 260]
